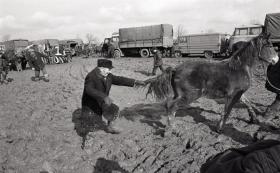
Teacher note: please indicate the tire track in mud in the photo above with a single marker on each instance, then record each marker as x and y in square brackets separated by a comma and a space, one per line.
[78, 81]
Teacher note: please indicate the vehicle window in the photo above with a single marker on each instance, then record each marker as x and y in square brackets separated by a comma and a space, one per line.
[242, 31]
[115, 39]
[2, 47]
[182, 39]
[255, 31]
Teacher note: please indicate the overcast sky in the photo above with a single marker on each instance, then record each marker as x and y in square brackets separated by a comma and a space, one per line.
[65, 19]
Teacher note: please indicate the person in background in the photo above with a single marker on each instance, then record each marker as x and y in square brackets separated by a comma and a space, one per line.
[97, 87]
[4, 68]
[158, 63]
[36, 63]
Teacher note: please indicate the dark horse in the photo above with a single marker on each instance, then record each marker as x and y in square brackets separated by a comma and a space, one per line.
[227, 79]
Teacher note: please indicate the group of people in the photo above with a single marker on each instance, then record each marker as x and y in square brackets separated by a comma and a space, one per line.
[34, 60]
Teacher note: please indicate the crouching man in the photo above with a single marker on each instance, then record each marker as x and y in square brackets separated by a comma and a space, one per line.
[97, 88]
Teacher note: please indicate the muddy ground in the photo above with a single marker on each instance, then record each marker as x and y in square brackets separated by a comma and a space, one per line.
[41, 132]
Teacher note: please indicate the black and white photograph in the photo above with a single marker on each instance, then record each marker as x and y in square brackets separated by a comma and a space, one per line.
[139, 86]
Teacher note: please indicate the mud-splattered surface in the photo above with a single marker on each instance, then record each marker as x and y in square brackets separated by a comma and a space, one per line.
[38, 120]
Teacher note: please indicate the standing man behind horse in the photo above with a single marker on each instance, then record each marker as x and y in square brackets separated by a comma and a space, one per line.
[97, 87]
[35, 61]
[158, 63]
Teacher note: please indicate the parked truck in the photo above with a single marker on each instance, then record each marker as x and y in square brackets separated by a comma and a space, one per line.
[244, 33]
[272, 26]
[208, 45]
[141, 40]
[15, 44]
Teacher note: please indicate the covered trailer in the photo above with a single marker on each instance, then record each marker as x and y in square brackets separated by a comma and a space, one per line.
[15, 44]
[209, 45]
[272, 26]
[46, 45]
[142, 39]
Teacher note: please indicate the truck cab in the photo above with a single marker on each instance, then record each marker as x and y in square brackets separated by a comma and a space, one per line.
[2, 48]
[244, 33]
[113, 45]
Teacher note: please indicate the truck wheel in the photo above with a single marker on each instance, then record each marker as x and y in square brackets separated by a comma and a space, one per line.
[178, 54]
[144, 53]
[208, 54]
[117, 54]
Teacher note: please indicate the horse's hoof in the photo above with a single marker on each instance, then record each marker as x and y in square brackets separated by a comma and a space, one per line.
[218, 130]
[254, 121]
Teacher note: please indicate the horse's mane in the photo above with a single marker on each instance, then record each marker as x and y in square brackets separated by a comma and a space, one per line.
[243, 55]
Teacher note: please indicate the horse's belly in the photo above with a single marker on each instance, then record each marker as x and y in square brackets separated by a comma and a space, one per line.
[214, 93]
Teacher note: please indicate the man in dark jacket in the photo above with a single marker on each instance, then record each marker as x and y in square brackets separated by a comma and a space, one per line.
[36, 63]
[157, 61]
[4, 67]
[97, 88]
[260, 157]
[273, 85]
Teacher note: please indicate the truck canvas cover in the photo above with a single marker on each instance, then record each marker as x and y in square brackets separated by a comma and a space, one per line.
[146, 33]
[272, 25]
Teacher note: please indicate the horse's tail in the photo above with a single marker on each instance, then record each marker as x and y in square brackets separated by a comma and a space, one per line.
[160, 87]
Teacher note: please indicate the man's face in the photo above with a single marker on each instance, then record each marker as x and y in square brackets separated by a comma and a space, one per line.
[104, 71]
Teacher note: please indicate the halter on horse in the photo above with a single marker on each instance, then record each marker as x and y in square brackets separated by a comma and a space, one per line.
[227, 79]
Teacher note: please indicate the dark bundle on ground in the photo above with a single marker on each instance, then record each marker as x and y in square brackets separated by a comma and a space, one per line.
[160, 86]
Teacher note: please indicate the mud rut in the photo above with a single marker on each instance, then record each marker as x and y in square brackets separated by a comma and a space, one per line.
[38, 132]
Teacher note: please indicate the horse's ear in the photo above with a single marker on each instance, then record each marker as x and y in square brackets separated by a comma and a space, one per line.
[268, 35]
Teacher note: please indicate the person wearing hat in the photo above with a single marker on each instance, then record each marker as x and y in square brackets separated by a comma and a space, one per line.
[36, 63]
[4, 67]
[97, 87]
[273, 85]
[158, 63]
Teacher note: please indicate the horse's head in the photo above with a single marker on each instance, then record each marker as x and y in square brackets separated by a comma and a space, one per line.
[266, 51]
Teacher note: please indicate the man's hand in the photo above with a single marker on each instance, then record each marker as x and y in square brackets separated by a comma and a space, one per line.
[139, 83]
[108, 101]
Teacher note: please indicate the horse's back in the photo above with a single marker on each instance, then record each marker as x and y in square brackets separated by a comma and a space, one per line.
[214, 78]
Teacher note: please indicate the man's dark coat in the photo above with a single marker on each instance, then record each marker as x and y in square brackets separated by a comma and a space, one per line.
[96, 88]
[273, 75]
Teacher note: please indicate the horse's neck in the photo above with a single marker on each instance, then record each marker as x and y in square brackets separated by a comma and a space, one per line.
[248, 56]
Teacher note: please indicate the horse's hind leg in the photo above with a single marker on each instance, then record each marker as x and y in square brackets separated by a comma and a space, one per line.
[172, 104]
[230, 101]
[250, 108]
[181, 97]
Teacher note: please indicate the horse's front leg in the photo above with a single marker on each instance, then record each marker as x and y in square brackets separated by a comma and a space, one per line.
[230, 101]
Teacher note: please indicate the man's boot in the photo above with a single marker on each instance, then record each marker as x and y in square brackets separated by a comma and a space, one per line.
[46, 78]
[37, 76]
[273, 109]
[112, 129]
[4, 80]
